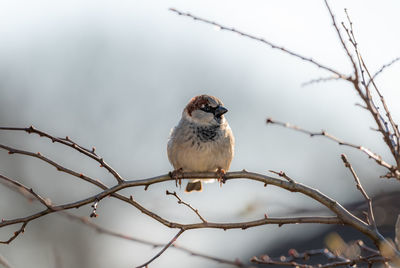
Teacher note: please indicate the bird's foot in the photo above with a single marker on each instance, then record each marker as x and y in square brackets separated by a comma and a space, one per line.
[221, 176]
[177, 175]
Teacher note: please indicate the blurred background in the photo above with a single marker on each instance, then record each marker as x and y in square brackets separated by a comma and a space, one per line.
[117, 74]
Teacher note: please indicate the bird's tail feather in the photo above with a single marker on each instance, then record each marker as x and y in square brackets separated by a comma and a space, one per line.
[194, 186]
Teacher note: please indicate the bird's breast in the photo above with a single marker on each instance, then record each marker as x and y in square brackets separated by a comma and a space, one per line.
[199, 148]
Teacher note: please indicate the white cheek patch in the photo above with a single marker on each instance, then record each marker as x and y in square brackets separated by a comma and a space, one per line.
[201, 117]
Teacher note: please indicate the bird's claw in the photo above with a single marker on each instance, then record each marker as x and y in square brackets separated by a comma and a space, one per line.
[177, 175]
[221, 176]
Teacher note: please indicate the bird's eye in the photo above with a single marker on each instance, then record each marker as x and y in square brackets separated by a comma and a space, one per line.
[206, 108]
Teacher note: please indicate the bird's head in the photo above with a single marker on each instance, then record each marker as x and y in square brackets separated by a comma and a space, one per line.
[205, 110]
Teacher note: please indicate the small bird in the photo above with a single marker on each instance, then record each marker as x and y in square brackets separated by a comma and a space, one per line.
[202, 141]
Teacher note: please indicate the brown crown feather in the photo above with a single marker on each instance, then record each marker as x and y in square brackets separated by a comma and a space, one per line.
[195, 103]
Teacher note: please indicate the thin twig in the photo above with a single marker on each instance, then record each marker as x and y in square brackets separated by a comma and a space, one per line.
[364, 247]
[162, 251]
[369, 153]
[68, 142]
[59, 167]
[294, 255]
[283, 175]
[262, 40]
[18, 185]
[321, 79]
[395, 127]
[371, 218]
[180, 201]
[23, 189]
[71, 142]
[236, 262]
[393, 145]
[368, 260]
[94, 206]
[16, 233]
[382, 69]
[353, 41]
[105, 231]
[349, 55]
[4, 262]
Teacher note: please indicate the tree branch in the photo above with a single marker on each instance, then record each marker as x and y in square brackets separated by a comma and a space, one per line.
[16, 233]
[371, 218]
[368, 259]
[350, 57]
[4, 262]
[395, 127]
[369, 153]
[18, 185]
[126, 184]
[262, 40]
[382, 69]
[240, 225]
[321, 79]
[59, 167]
[393, 145]
[342, 214]
[22, 189]
[186, 204]
[105, 231]
[164, 249]
[68, 142]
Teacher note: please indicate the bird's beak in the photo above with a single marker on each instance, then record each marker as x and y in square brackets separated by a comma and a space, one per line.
[220, 111]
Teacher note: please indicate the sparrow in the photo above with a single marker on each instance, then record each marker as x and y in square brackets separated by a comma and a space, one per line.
[202, 141]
